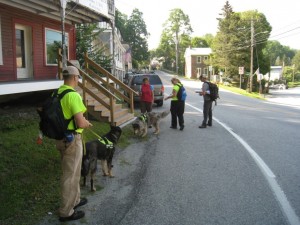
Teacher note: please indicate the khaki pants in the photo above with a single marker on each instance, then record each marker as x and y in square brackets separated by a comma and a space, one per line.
[71, 158]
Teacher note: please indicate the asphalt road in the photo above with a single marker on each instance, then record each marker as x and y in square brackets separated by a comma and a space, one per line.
[242, 170]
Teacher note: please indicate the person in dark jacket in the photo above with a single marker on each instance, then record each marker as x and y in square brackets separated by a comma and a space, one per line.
[207, 105]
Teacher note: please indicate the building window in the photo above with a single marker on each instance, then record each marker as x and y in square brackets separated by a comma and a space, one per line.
[206, 71]
[1, 56]
[198, 59]
[205, 58]
[53, 43]
[199, 72]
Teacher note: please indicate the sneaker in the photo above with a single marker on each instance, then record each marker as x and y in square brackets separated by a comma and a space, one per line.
[75, 216]
[202, 126]
[209, 124]
[181, 128]
[82, 202]
[173, 127]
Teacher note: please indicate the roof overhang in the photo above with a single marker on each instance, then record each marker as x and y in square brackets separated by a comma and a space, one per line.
[77, 11]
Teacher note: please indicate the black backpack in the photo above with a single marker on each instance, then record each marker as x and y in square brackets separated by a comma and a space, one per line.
[181, 94]
[53, 124]
[214, 91]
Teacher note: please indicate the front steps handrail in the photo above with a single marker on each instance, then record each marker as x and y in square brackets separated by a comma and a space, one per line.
[109, 76]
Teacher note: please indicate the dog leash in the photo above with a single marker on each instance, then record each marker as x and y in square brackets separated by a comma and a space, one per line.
[104, 140]
[93, 132]
[83, 139]
[83, 143]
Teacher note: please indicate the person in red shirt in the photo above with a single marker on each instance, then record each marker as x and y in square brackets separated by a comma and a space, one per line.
[147, 96]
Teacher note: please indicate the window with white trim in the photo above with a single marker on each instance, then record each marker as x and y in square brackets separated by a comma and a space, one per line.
[199, 72]
[1, 55]
[53, 41]
[198, 59]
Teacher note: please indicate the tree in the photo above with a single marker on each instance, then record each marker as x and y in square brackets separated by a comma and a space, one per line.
[166, 49]
[199, 42]
[177, 25]
[296, 61]
[234, 41]
[86, 34]
[136, 36]
[120, 22]
[209, 38]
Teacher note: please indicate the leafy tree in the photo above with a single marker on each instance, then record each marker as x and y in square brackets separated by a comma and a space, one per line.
[120, 22]
[86, 34]
[136, 36]
[166, 50]
[232, 43]
[199, 42]
[209, 38]
[177, 25]
[296, 61]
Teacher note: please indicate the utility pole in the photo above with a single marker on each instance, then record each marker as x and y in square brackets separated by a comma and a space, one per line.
[176, 49]
[251, 59]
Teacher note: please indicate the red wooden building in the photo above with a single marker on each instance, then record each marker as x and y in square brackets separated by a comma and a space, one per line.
[30, 34]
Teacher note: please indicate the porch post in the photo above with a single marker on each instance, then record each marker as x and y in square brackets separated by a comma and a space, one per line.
[63, 4]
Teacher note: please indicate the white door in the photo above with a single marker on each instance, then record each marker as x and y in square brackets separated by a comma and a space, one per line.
[23, 51]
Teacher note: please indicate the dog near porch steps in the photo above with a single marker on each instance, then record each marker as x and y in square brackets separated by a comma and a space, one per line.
[103, 149]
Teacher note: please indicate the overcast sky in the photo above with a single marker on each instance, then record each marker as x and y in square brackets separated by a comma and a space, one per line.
[284, 16]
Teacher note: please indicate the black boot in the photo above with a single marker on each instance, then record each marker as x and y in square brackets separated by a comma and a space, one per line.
[202, 126]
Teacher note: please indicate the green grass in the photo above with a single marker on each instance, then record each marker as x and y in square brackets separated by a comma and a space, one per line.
[30, 173]
[242, 92]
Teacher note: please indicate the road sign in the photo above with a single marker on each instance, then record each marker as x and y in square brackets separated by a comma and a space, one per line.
[241, 70]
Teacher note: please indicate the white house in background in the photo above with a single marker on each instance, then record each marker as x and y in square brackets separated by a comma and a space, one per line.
[275, 73]
[105, 41]
[196, 62]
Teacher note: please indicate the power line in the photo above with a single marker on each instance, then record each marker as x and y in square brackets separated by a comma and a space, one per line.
[285, 32]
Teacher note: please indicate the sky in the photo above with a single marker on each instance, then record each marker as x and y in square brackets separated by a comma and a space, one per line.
[283, 16]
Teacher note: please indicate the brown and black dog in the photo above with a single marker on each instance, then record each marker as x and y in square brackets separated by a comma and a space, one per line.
[141, 123]
[103, 149]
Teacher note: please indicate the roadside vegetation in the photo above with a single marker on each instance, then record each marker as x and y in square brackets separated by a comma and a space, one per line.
[30, 173]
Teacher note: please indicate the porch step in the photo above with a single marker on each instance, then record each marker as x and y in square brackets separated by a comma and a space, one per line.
[101, 113]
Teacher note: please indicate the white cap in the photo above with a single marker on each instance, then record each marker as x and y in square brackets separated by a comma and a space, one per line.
[70, 70]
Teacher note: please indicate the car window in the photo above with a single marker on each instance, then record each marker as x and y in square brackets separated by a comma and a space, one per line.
[138, 80]
[154, 79]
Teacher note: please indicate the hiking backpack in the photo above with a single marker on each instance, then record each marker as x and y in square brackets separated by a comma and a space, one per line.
[53, 124]
[214, 91]
[181, 94]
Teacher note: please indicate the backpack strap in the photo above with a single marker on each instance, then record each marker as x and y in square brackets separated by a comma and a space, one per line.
[179, 85]
[60, 96]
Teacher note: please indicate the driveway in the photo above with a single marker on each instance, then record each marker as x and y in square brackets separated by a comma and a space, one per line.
[289, 97]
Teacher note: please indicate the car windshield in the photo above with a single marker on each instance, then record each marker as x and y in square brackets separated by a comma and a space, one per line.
[138, 80]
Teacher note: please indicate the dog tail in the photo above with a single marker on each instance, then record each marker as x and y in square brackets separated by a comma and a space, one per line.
[165, 113]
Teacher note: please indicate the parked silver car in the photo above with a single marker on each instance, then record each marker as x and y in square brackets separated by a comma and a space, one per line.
[136, 80]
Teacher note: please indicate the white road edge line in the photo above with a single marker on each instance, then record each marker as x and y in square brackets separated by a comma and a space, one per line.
[287, 209]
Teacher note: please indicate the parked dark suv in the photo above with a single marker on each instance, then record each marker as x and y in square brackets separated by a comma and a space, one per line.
[136, 80]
